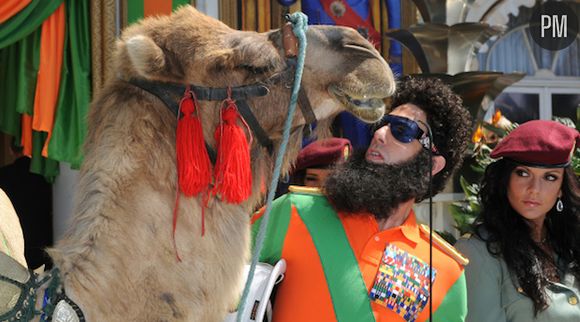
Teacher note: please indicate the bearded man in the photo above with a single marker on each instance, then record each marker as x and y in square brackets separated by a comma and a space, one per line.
[354, 250]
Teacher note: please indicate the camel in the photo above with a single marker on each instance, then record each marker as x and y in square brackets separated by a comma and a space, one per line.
[117, 260]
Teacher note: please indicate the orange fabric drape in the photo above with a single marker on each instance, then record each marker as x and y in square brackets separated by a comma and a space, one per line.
[9, 8]
[49, 72]
[26, 137]
[156, 7]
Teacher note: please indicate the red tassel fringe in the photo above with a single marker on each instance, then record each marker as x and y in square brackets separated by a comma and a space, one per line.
[232, 170]
[193, 164]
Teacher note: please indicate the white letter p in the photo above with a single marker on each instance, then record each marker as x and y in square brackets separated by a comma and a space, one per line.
[546, 23]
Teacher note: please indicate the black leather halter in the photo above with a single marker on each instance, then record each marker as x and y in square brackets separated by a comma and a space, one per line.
[170, 94]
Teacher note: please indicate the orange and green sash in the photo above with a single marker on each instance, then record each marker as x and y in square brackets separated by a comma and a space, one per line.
[345, 283]
[338, 260]
[343, 278]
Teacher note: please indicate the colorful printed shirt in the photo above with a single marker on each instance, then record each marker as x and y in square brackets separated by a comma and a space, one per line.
[340, 267]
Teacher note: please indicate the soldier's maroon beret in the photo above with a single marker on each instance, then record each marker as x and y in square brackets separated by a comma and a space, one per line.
[323, 153]
[539, 143]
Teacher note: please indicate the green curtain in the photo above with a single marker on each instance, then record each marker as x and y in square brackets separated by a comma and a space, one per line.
[38, 164]
[26, 21]
[69, 131]
[135, 8]
[18, 72]
[19, 61]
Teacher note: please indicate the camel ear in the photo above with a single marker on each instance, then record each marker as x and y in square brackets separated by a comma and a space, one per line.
[147, 58]
[151, 61]
[254, 54]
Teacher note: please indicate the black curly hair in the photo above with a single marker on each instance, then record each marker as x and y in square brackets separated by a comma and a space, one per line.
[507, 234]
[450, 122]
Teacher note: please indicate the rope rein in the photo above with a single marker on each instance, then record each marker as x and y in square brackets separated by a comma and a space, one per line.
[300, 24]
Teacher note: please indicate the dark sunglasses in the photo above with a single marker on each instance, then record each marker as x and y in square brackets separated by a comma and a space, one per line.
[406, 130]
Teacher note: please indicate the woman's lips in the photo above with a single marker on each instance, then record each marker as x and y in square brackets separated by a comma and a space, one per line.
[531, 203]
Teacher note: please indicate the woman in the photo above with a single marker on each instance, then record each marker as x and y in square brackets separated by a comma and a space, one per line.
[525, 252]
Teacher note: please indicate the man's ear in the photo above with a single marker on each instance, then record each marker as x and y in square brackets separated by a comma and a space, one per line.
[438, 164]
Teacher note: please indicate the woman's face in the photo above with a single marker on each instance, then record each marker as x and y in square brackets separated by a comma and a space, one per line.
[532, 192]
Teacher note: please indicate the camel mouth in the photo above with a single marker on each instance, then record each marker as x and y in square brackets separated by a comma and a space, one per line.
[367, 109]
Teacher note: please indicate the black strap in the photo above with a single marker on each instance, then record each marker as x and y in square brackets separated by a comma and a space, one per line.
[303, 102]
[168, 91]
[238, 93]
[170, 95]
[307, 112]
[253, 123]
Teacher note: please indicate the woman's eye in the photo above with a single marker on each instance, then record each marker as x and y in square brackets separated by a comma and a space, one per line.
[521, 173]
[551, 177]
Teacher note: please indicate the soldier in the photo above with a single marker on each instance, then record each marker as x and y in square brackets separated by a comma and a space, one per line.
[317, 158]
[525, 252]
[354, 250]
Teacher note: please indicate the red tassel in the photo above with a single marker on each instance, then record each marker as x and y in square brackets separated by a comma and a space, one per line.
[193, 165]
[232, 170]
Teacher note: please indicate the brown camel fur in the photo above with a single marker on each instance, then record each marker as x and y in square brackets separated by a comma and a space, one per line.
[117, 259]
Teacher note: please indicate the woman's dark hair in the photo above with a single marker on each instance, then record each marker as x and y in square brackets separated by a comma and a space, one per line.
[507, 234]
[450, 122]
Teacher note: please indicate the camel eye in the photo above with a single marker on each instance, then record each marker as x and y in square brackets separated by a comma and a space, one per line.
[359, 48]
[255, 69]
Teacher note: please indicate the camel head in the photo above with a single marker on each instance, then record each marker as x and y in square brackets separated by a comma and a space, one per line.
[342, 70]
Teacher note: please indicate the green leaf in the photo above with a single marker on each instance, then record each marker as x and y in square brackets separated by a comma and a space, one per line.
[499, 131]
[447, 236]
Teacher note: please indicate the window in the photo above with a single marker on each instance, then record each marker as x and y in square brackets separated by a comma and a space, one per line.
[552, 85]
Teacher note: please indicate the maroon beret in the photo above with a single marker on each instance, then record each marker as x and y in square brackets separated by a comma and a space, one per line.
[323, 153]
[539, 143]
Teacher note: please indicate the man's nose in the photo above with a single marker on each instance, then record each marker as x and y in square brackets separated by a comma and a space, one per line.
[381, 134]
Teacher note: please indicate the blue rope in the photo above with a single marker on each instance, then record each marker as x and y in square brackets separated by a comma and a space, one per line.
[300, 24]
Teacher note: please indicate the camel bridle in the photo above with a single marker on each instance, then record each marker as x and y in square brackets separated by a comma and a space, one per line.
[171, 93]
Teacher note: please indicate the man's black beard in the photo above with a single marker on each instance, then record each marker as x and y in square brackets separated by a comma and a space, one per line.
[360, 186]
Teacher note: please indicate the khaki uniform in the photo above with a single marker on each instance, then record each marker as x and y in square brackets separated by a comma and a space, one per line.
[492, 295]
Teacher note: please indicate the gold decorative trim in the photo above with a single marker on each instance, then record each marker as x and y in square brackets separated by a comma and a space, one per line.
[445, 246]
[305, 190]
